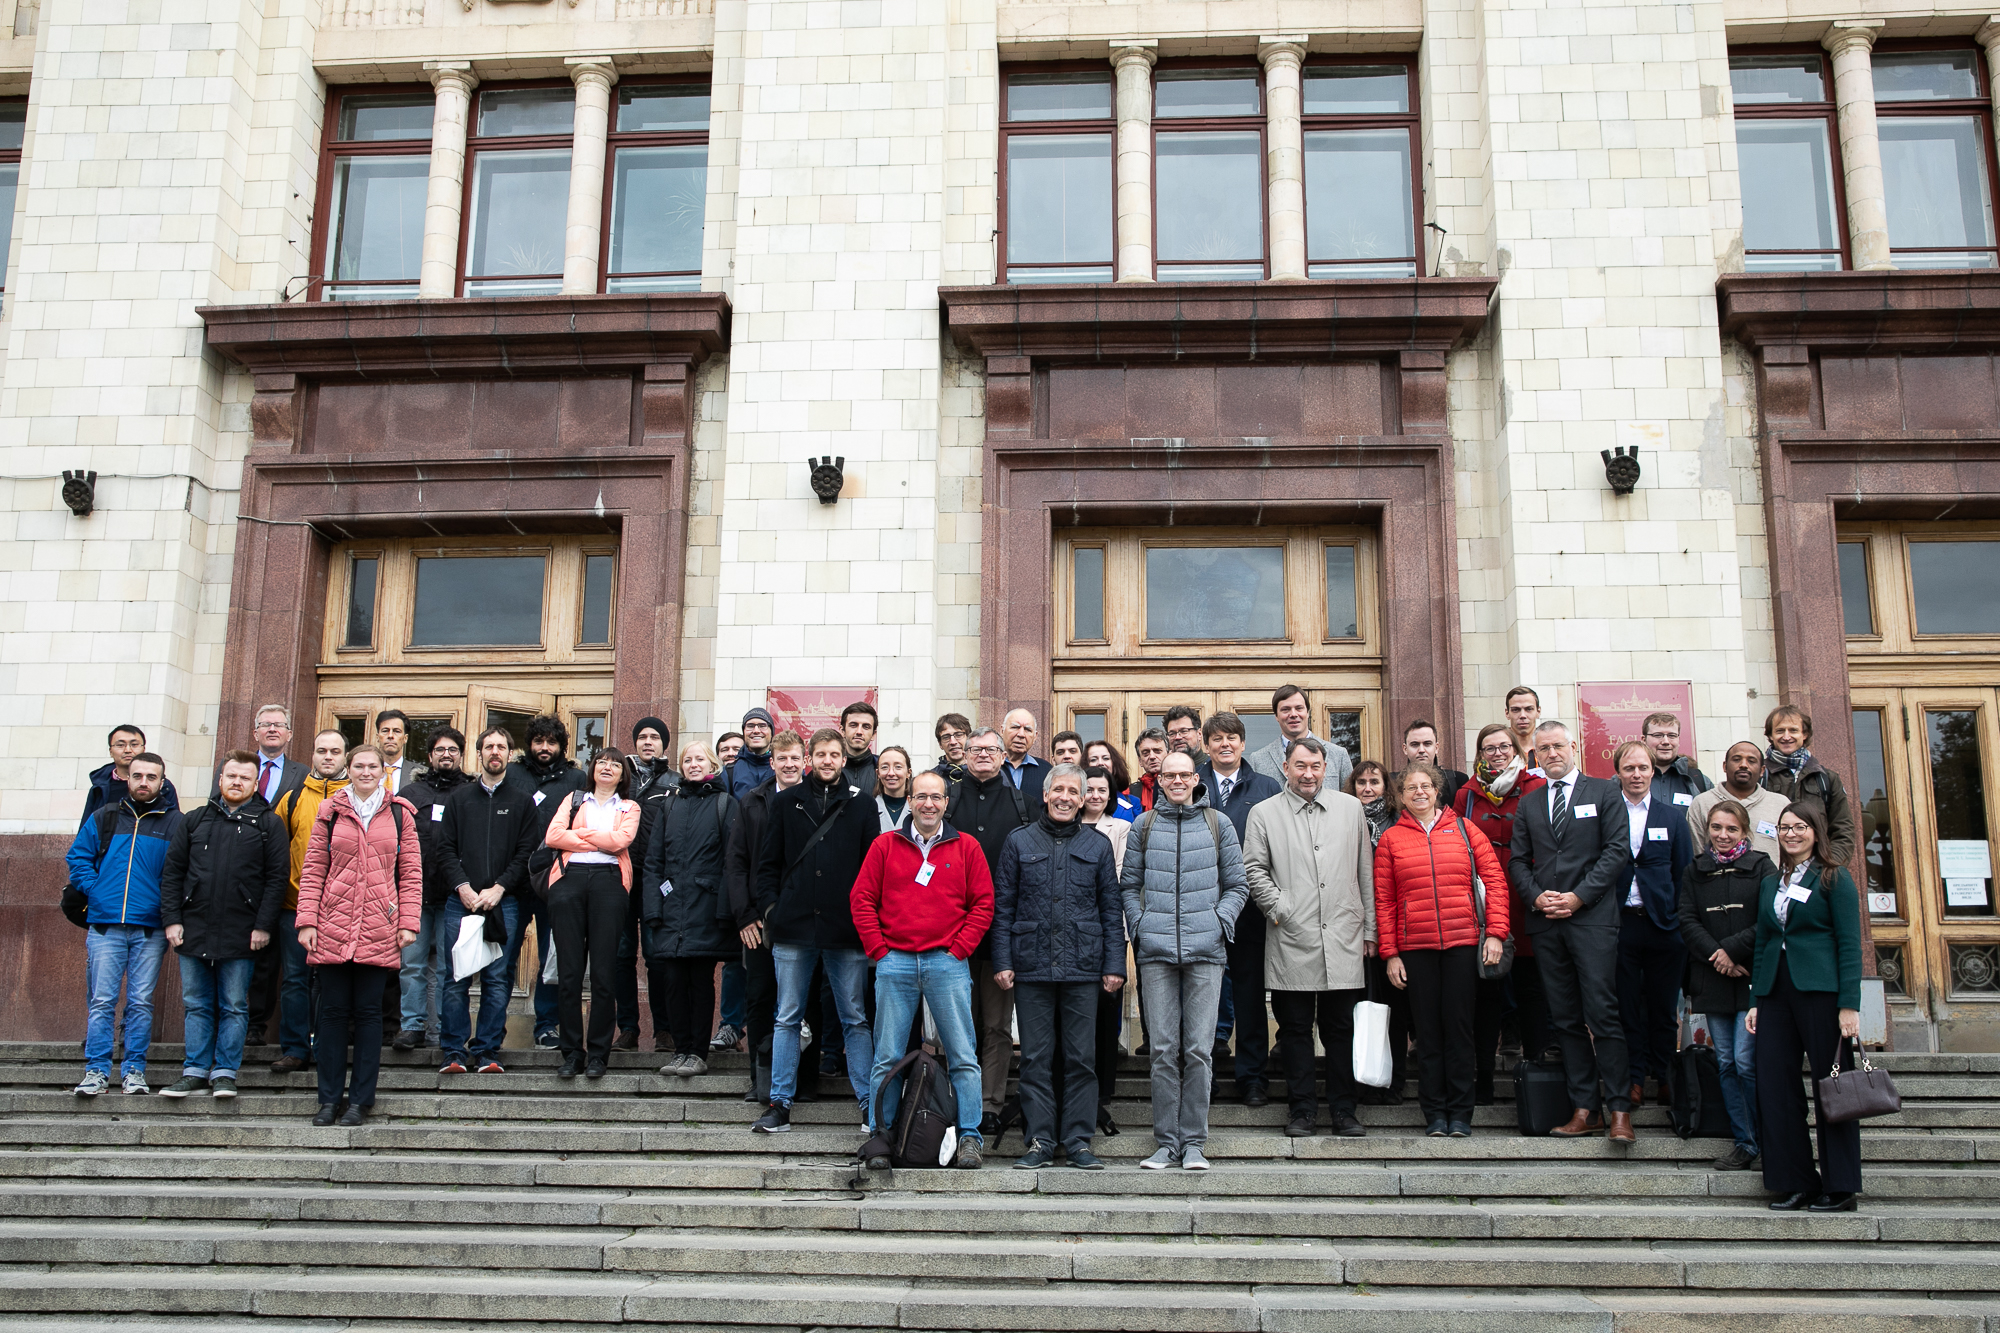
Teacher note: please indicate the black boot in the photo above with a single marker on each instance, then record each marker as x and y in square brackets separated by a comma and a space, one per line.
[1482, 1089]
[760, 1081]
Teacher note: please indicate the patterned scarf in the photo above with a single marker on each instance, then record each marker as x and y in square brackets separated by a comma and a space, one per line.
[1731, 856]
[1793, 762]
[1496, 787]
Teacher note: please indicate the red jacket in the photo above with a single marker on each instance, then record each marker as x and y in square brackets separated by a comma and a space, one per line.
[893, 911]
[358, 888]
[1423, 886]
[1497, 823]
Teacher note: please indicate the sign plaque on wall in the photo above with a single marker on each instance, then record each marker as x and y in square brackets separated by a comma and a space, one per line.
[807, 708]
[1611, 712]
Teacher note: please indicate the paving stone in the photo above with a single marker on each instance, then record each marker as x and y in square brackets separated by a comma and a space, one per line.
[1939, 1225]
[109, 1243]
[795, 1304]
[1224, 1180]
[1445, 1311]
[1793, 1312]
[1656, 1222]
[481, 1170]
[142, 1201]
[1290, 1262]
[511, 1246]
[1477, 1265]
[111, 1290]
[1882, 1267]
[1037, 1216]
[1606, 1180]
[444, 1207]
[640, 1174]
[975, 1261]
[754, 1212]
[429, 1294]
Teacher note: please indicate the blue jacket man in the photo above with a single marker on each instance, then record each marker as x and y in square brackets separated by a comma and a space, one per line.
[115, 866]
[1651, 956]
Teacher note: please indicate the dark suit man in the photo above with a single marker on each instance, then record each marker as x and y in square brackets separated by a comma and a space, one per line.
[1224, 738]
[1572, 865]
[277, 773]
[1651, 957]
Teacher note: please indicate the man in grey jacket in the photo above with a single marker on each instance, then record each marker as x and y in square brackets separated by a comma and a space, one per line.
[1294, 714]
[1183, 887]
[1311, 868]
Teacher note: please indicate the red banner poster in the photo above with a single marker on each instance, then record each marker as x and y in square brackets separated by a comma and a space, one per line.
[807, 708]
[1611, 712]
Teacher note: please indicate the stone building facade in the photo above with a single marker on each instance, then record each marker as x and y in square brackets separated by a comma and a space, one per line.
[1172, 350]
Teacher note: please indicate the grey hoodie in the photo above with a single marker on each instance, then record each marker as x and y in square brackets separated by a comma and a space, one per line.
[1183, 896]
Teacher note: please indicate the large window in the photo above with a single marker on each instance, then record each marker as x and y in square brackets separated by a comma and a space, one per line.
[13, 130]
[1056, 150]
[1361, 137]
[374, 176]
[1786, 158]
[1937, 145]
[1208, 174]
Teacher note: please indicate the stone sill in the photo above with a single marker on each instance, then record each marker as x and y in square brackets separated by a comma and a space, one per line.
[1935, 309]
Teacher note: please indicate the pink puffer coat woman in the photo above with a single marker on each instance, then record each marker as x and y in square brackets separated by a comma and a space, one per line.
[359, 887]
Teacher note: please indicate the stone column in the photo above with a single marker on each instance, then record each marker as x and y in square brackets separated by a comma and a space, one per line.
[1285, 154]
[1134, 62]
[438, 277]
[1850, 41]
[1988, 36]
[583, 234]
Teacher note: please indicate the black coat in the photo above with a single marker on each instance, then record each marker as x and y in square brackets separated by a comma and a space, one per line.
[1718, 910]
[546, 785]
[987, 811]
[810, 906]
[689, 834]
[1251, 789]
[746, 844]
[486, 836]
[226, 875]
[428, 795]
[1057, 912]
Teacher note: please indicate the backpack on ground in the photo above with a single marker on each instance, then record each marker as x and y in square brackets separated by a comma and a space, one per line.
[926, 1130]
[1694, 1094]
[1541, 1097]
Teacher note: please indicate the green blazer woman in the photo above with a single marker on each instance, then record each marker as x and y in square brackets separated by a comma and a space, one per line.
[1820, 937]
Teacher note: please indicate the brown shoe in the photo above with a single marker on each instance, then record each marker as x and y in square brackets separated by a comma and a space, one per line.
[287, 1064]
[1637, 1095]
[628, 1040]
[1621, 1128]
[1580, 1124]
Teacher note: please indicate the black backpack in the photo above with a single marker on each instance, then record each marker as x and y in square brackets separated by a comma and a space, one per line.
[1541, 1097]
[1694, 1094]
[926, 1130]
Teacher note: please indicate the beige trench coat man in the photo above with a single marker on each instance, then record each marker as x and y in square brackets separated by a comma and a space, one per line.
[1311, 869]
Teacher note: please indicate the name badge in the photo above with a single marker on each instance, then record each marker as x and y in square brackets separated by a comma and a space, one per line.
[1798, 895]
[666, 887]
[1682, 798]
[538, 797]
[1767, 830]
[924, 875]
[1656, 835]
[437, 814]
[1584, 811]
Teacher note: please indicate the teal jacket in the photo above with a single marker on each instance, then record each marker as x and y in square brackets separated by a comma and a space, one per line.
[1820, 938]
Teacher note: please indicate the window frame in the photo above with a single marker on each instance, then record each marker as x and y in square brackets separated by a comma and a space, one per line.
[588, 550]
[616, 139]
[1261, 122]
[475, 144]
[1979, 107]
[331, 150]
[1009, 129]
[1321, 121]
[12, 157]
[1827, 111]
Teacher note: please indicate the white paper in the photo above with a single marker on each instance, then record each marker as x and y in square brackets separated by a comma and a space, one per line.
[1682, 798]
[1882, 904]
[1585, 812]
[1656, 835]
[437, 814]
[1965, 892]
[1964, 858]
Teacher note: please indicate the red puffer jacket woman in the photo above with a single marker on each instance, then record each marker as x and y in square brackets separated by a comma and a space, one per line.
[358, 886]
[1423, 886]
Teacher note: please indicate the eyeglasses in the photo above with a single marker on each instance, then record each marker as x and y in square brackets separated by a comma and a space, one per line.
[1663, 735]
[1794, 828]
[984, 749]
[948, 734]
[1496, 749]
[1177, 777]
[1180, 732]
[271, 726]
[444, 749]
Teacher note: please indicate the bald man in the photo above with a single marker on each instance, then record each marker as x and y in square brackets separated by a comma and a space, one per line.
[1021, 769]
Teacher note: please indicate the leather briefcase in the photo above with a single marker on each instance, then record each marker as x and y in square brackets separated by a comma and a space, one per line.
[1859, 1093]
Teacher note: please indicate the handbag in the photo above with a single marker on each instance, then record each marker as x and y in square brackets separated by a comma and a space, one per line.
[1374, 1063]
[1506, 963]
[1858, 1093]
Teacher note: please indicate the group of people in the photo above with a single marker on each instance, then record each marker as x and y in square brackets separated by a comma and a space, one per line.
[841, 891]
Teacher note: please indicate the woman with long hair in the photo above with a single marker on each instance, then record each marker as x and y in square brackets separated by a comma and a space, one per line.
[1429, 873]
[1806, 980]
[1369, 784]
[1104, 755]
[688, 928]
[1488, 802]
[589, 896]
[1718, 916]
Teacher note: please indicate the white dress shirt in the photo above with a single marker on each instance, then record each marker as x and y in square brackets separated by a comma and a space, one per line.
[1636, 812]
[601, 816]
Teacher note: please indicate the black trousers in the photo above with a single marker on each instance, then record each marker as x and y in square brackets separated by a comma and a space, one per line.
[1651, 963]
[1043, 1008]
[1399, 1023]
[350, 1010]
[1489, 1006]
[689, 985]
[1110, 1025]
[629, 950]
[1794, 1024]
[1441, 983]
[1334, 1010]
[587, 908]
[1531, 1006]
[1580, 975]
[1246, 981]
[264, 979]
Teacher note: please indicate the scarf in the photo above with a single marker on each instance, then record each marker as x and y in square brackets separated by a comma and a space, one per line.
[644, 771]
[1791, 763]
[709, 786]
[1496, 787]
[366, 806]
[1378, 815]
[1723, 858]
[1055, 830]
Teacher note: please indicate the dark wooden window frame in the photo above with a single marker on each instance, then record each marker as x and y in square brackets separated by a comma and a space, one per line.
[1412, 121]
[331, 150]
[1008, 130]
[617, 139]
[1806, 111]
[1259, 123]
[1980, 108]
[475, 144]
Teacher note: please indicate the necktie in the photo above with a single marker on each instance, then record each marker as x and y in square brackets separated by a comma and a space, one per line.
[269, 784]
[1559, 812]
[395, 771]
[1225, 784]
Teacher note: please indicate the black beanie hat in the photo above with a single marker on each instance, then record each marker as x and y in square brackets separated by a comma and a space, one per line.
[666, 736]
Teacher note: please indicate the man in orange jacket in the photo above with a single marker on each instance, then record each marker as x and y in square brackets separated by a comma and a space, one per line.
[922, 903]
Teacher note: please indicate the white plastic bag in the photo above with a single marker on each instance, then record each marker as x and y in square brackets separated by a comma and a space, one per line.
[549, 964]
[1373, 1064]
[473, 953]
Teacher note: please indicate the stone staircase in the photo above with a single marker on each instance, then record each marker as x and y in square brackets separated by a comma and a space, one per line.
[520, 1201]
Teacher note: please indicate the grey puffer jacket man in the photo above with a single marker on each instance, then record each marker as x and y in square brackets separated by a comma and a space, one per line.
[1183, 883]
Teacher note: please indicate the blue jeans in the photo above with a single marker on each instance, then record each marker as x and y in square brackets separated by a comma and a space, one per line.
[216, 1000]
[295, 1014]
[115, 956]
[735, 1006]
[494, 989]
[846, 974]
[945, 983]
[547, 1017]
[1736, 1052]
[423, 969]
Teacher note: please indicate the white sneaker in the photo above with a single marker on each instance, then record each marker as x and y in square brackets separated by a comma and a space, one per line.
[93, 1084]
[1192, 1159]
[692, 1066]
[1161, 1159]
[136, 1085]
